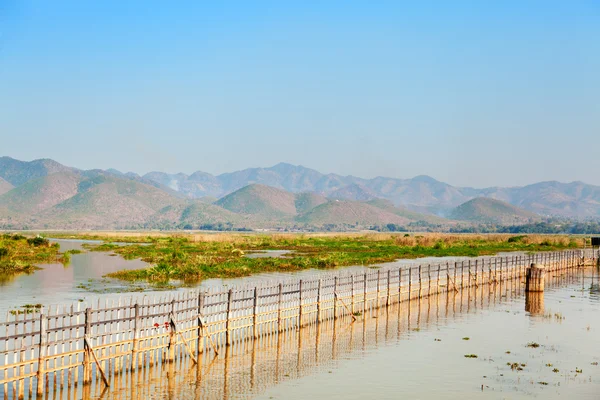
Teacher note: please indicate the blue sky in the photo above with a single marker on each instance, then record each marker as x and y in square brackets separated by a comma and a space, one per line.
[473, 93]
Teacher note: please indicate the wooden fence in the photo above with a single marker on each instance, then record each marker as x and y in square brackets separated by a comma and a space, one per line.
[49, 349]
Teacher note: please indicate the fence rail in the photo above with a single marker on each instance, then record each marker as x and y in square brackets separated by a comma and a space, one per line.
[66, 346]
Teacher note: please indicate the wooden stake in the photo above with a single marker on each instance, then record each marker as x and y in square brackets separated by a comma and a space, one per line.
[91, 349]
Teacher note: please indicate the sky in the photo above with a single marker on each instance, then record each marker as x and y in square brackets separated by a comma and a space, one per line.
[472, 93]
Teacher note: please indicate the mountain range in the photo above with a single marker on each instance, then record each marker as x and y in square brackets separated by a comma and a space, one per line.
[46, 194]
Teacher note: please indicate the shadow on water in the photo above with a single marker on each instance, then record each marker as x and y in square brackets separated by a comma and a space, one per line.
[405, 345]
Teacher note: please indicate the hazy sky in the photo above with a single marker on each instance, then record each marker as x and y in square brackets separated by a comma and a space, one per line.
[474, 93]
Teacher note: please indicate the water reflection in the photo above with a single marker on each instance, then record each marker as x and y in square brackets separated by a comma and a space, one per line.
[390, 343]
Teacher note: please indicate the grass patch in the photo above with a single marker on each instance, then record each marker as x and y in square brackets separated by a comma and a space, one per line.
[197, 257]
[470, 355]
[19, 254]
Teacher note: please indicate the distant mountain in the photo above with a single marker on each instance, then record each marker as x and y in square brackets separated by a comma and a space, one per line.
[354, 192]
[39, 194]
[350, 213]
[408, 214]
[18, 172]
[483, 209]
[308, 200]
[45, 192]
[261, 200]
[5, 186]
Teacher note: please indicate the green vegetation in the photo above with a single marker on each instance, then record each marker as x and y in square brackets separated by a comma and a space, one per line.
[19, 254]
[470, 355]
[197, 257]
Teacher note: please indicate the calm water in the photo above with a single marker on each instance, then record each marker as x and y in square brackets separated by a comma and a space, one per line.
[414, 351]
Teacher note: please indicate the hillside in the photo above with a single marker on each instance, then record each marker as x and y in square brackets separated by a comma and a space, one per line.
[5, 186]
[19, 172]
[307, 201]
[194, 215]
[354, 192]
[483, 209]
[260, 200]
[108, 201]
[338, 212]
[40, 194]
[43, 192]
[409, 214]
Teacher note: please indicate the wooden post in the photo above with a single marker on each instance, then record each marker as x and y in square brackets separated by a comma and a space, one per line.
[409, 283]
[279, 300]
[438, 278]
[462, 274]
[319, 302]
[136, 333]
[389, 280]
[87, 359]
[352, 292]
[335, 297]
[365, 294]
[534, 281]
[200, 343]
[172, 334]
[300, 304]
[399, 285]
[378, 288]
[420, 282]
[254, 312]
[227, 322]
[42, 357]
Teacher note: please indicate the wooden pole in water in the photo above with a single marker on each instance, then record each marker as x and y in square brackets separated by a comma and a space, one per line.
[227, 322]
[300, 304]
[172, 333]
[420, 282]
[136, 332]
[279, 299]
[389, 280]
[319, 302]
[200, 344]
[409, 283]
[352, 292]
[42, 357]
[87, 359]
[335, 298]
[378, 288]
[365, 294]
[534, 281]
[254, 314]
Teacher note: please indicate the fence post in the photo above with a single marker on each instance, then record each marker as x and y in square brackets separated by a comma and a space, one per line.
[352, 293]
[254, 311]
[438, 277]
[409, 283]
[378, 286]
[200, 343]
[136, 333]
[279, 299]
[420, 282]
[172, 333]
[87, 359]
[227, 332]
[365, 294]
[389, 280]
[399, 285]
[335, 297]
[300, 304]
[42, 357]
[319, 302]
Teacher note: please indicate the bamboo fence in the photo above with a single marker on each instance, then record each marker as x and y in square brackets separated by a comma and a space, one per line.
[66, 346]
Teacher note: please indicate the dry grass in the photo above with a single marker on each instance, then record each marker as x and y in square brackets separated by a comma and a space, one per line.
[400, 239]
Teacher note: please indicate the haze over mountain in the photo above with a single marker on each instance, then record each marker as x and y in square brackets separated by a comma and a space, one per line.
[44, 193]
